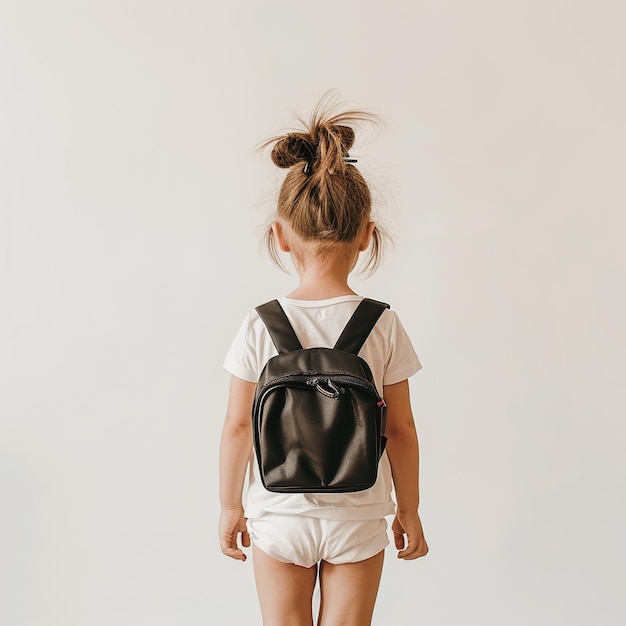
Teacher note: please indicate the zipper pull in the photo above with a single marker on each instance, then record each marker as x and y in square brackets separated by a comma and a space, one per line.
[329, 390]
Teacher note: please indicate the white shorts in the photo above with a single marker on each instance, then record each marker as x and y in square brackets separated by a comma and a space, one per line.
[305, 540]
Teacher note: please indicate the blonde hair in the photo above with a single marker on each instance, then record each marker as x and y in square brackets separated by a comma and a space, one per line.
[324, 197]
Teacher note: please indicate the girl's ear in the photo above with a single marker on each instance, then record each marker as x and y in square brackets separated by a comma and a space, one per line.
[366, 237]
[279, 234]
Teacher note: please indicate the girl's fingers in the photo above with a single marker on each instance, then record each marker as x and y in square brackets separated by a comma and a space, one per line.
[234, 553]
[229, 545]
[398, 539]
[415, 545]
[414, 550]
[232, 525]
[410, 548]
[398, 534]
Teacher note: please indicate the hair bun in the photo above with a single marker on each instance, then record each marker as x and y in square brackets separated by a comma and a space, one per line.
[297, 147]
[346, 135]
[292, 149]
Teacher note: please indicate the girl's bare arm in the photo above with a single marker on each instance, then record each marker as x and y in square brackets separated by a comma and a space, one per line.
[235, 449]
[403, 452]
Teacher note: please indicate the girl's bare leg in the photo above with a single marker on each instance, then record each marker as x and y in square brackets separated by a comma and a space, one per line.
[348, 591]
[285, 591]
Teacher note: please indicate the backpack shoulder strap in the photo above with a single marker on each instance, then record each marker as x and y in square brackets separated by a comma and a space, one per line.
[278, 326]
[360, 325]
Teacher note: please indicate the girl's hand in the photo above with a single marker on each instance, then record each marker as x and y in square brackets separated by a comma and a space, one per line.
[411, 526]
[232, 523]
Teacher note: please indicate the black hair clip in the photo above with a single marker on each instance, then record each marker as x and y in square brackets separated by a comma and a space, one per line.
[308, 166]
[348, 159]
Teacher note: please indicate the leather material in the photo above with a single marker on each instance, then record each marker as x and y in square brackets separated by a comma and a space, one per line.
[360, 325]
[278, 326]
[318, 420]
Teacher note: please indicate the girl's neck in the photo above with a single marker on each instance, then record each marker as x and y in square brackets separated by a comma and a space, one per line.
[322, 279]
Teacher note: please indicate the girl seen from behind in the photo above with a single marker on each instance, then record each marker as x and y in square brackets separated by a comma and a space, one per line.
[323, 221]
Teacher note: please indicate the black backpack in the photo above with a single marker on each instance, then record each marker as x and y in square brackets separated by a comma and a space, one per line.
[318, 421]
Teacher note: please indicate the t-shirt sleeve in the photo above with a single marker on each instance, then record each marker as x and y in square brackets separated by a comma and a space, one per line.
[402, 360]
[241, 359]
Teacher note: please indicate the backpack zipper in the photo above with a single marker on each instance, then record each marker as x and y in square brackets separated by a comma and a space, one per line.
[345, 379]
[317, 382]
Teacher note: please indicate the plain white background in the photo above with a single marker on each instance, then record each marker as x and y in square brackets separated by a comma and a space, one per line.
[131, 209]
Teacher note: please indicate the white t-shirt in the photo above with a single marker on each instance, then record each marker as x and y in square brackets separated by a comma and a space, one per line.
[318, 323]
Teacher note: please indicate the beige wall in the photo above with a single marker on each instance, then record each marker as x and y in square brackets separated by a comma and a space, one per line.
[130, 207]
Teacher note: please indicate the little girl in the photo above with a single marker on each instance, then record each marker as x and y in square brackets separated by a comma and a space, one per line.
[323, 222]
